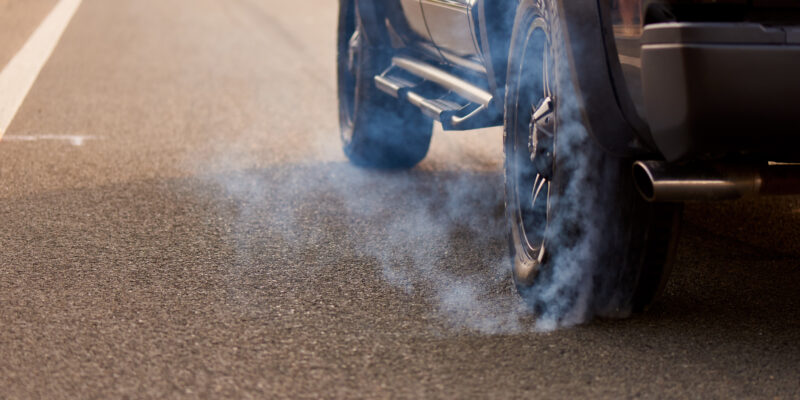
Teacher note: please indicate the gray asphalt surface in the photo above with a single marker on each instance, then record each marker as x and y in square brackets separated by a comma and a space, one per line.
[178, 221]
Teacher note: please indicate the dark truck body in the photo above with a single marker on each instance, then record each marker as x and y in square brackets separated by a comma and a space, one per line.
[614, 112]
[679, 81]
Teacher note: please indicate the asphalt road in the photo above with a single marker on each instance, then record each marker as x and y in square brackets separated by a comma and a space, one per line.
[178, 220]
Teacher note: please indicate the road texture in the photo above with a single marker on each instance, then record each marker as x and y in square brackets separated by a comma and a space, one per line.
[178, 220]
[18, 19]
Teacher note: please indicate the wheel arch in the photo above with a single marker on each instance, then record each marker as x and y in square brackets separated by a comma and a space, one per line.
[612, 119]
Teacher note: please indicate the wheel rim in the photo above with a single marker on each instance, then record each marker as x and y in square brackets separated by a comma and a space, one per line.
[350, 44]
[353, 47]
[532, 155]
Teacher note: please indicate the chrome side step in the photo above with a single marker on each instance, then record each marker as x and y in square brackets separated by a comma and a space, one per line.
[444, 79]
[393, 85]
[458, 104]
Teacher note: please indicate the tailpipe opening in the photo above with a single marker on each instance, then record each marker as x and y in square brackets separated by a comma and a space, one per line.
[643, 179]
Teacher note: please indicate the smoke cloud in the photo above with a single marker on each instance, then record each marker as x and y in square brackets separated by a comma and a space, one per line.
[436, 234]
[431, 231]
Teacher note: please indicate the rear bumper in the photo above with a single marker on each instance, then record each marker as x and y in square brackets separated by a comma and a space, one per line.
[722, 88]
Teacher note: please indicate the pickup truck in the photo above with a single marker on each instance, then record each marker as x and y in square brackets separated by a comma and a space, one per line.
[615, 112]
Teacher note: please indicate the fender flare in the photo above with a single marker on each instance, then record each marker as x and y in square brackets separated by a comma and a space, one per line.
[607, 106]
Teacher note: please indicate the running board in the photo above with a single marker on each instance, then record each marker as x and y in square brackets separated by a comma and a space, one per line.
[456, 103]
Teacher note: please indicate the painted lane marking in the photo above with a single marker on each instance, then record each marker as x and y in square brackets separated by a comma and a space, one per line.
[21, 72]
[75, 140]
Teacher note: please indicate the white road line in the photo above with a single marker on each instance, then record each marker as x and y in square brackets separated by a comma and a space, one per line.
[21, 72]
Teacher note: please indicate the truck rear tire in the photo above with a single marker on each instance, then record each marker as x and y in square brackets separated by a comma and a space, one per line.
[583, 242]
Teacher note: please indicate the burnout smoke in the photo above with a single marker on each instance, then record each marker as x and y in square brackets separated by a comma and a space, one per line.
[574, 242]
[439, 233]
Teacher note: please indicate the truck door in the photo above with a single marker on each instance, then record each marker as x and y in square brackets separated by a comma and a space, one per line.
[451, 25]
[415, 19]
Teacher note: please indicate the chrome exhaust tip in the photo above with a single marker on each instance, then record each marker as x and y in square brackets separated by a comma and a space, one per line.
[658, 181]
[644, 180]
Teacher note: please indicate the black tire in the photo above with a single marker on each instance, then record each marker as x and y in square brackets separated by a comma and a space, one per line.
[377, 130]
[582, 241]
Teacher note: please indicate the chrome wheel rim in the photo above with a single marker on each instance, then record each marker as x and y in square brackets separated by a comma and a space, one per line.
[349, 66]
[534, 128]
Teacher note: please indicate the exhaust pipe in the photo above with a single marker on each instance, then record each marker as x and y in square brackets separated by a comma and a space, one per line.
[658, 181]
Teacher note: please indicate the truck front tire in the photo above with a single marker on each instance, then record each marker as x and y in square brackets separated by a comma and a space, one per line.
[377, 130]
